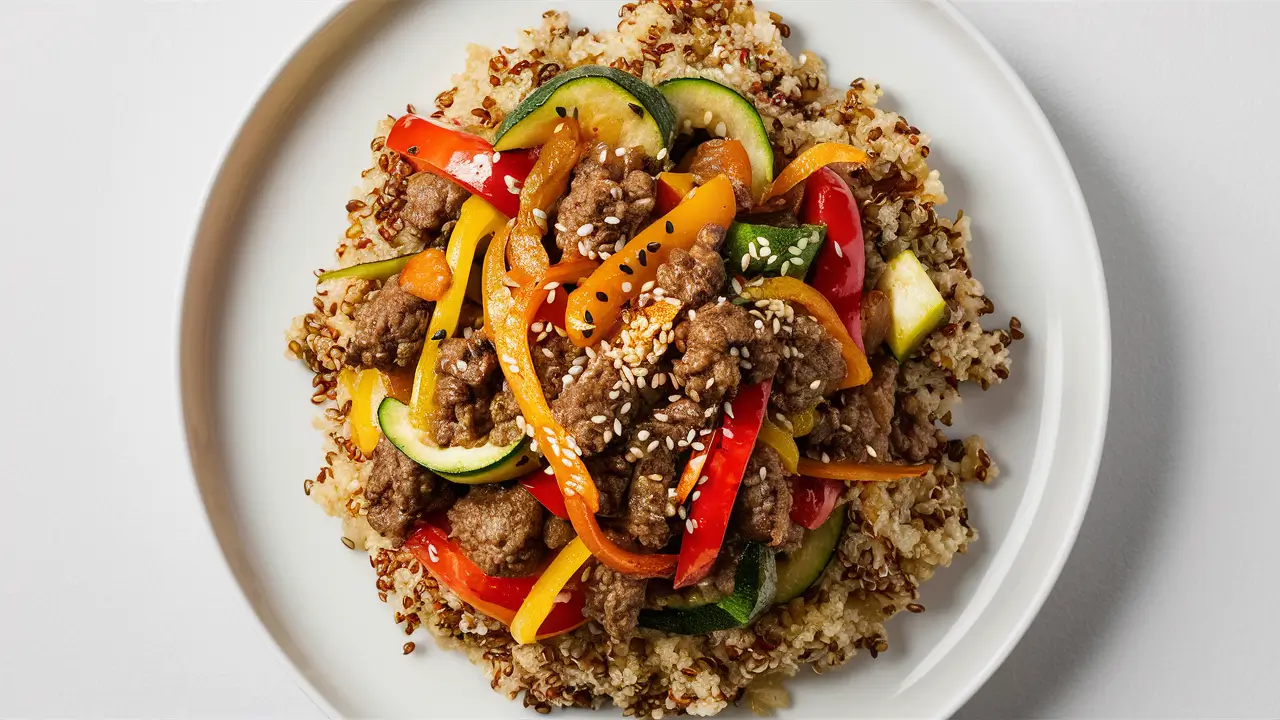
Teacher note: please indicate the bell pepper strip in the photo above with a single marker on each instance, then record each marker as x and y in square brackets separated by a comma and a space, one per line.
[709, 514]
[813, 499]
[858, 371]
[672, 188]
[841, 264]
[376, 270]
[693, 469]
[499, 598]
[542, 486]
[477, 220]
[808, 162]
[802, 422]
[427, 275]
[595, 306]
[506, 312]
[469, 160]
[368, 393]
[565, 272]
[547, 591]
[545, 185]
[860, 472]
[782, 442]
[399, 383]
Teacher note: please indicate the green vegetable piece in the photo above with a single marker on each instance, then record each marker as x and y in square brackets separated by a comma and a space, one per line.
[766, 250]
[469, 466]
[376, 270]
[753, 593]
[723, 112]
[798, 571]
[916, 308]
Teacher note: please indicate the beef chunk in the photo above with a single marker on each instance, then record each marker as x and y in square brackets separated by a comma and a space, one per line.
[706, 165]
[875, 320]
[500, 529]
[669, 432]
[467, 380]
[552, 357]
[431, 201]
[557, 532]
[503, 411]
[719, 342]
[612, 193]
[763, 508]
[585, 409]
[612, 473]
[400, 490]
[695, 276]
[812, 369]
[614, 600]
[914, 436]
[390, 328]
[857, 418]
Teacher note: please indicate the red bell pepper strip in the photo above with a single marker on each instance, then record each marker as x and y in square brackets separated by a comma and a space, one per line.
[463, 158]
[709, 515]
[497, 597]
[542, 485]
[861, 472]
[841, 266]
[813, 499]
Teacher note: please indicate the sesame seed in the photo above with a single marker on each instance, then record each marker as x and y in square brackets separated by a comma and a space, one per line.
[721, 130]
[662, 154]
[746, 262]
[551, 285]
[786, 266]
[617, 426]
[660, 417]
[826, 458]
[604, 155]
[682, 512]
[611, 220]
[793, 250]
[871, 451]
[815, 384]
[647, 286]
[575, 370]
[672, 398]
[598, 419]
[839, 252]
[551, 297]
[626, 287]
[802, 58]
[561, 228]
[461, 365]
[702, 480]
[728, 409]
[620, 152]
[759, 325]
[689, 526]
[698, 446]
[804, 243]
[653, 446]
[706, 118]
[728, 432]
[540, 213]
[671, 445]
[585, 230]
[642, 435]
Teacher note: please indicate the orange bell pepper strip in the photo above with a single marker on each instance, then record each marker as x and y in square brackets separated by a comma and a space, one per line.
[672, 188]
[542, 598]
[858, 371]
[809, 162]
[427, 275]
[545, 184]
[597, 303]
[693, 468]
[860, 472]
[507, 311]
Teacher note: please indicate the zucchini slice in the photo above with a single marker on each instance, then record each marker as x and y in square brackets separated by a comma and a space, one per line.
[610, 104]
[753, 592]
[801, 569]
[376, 270]
[702, 103]
[766, 250]
[483, 464]
[916, 308]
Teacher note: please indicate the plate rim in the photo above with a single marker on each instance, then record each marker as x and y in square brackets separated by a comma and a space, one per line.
[298, 69]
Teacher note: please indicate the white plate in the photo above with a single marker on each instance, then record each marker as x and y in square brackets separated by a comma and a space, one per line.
[276, 210]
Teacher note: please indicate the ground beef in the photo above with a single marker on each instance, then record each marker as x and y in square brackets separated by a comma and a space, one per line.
[467, 380]
[431, 201]
[858, 418]
[400, 490]
[390, 328]
[552, 358]
[605, 185]
[705, 165]
[763, 508]
[585, 409]
[695, 276]
[612, 474]
[614, 600]
[500, 529]
[503, 411]
[557, 532]
[875, 320]
[914, 436]
[812, 369]
[672, 428]
[713, 341]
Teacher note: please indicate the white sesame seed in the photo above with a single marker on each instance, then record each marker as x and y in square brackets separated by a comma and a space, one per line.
[721, 130]
[737, 287]
[682, 512]
[672, 398]
[647, 286]
[728, 432]
[626, 407]
[698, 446]
[575, 370]
[703, 480]
[815, 384]
[461, 365]
[660, 417]
[728, 409]
[598, 419]
[551, 285]
[620, 152]
[826, 458]
[604, 155]
[611, 220]
[696, 494]
[617, 426]
[585, 230]
[706, 118]
[549, 470]
[559, 127]
[746, 262]
[839, 252]
[803, 243]
[759, 325]
[626, 287]
[802, 58]
[793, 250]
[653, 446]
[871, 451]
[561, 228]
[662, 154]
[642, 435]
[754, 250]
[551, 297]
[786, 265]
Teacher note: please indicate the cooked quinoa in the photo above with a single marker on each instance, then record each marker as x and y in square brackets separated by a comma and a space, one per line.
[898, 533]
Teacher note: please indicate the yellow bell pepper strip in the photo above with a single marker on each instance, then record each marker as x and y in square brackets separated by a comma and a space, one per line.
[370, 388]
[672, 188]
[809, 162]
[542, 598]
[597, 303]
[507, 311]
[794, 290]
[802, 422]
[347, 381]
[427, 275]
[782, 442]
[545, 185]
[860, 472]
[477, 220]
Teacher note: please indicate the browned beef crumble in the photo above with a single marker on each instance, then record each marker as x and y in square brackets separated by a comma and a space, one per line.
[852, 420]
[653, 475]
[500, 529]
[616, 187]
[614, 600]
[875, 320]
[390, 328]
[762, 510]
[713, 342]
[695, 276]
[400, 490]
[705, 165]
[585, 410]
[815, 358]
[552, 358]
[557, 532]
[431, 201]
[472, 401]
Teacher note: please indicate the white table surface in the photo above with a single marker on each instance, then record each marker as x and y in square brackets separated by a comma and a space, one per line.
[113, 601]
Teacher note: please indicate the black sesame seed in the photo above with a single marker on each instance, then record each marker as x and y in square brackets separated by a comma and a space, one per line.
[602, 297]
[670, 228]
[524, 459]
[639, 111]
[439, 334]
[626, 268]
[560, 111]
[653, 246]
[644, 259]
[587, 333]
[590, 320]
[575, 113]
[413, 149]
